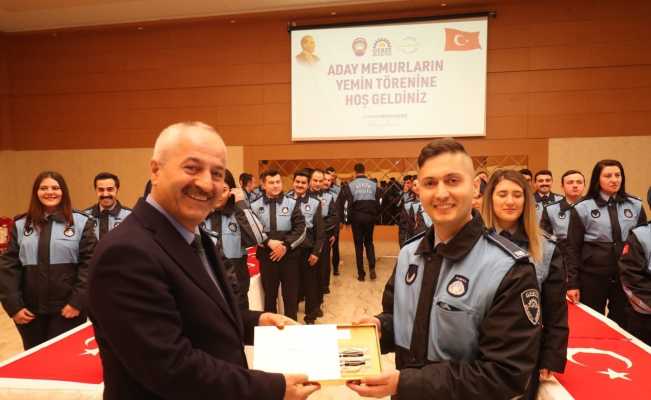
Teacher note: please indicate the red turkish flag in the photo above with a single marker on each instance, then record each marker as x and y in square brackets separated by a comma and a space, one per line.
[604, 362]
[456, 40]
[252, 261]
[70, 357]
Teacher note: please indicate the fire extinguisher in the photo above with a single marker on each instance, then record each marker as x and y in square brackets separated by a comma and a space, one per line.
[5, 233]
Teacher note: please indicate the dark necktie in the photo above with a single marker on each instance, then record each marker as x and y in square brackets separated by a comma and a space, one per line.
[614, 226]
[506, 234]
[197, 247]
[420, 332]
[272, 216]
[103, 223]
[545, 199]
[44, 242]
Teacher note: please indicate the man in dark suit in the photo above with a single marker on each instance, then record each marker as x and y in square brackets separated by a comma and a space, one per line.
[166, 321]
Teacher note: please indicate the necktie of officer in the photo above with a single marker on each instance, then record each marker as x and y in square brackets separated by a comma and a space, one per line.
[43, 254]
[420, 332]
[103, 223]
[197, 247]
[506, 234]
[545, 199]
[272, 215]
[614, 226]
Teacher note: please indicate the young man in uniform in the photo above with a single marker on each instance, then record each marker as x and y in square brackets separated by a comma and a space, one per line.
[284, 224]
[310, 249]
[544, 196]
[330, 179]
[462, 307]
[108, 212]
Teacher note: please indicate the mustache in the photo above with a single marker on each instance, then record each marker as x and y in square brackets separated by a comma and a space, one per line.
[194, 191]
[105, 197]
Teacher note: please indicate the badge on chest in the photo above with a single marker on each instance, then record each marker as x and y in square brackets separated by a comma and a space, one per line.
[458, 286]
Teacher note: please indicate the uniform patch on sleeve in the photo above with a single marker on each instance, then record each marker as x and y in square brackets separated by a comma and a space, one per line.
[531, 304]
[458, 286]
[412, 273]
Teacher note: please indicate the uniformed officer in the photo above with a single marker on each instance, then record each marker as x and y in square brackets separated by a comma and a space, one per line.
[528, 176]
[330, 179]
[404, 208]
[361, 196]
[543, 181]
[330, 224]
[43, 275]
[510, 210]
[233, 227]
[556, 216]
[247, 184]
[462, 307]
[108, 212]
[284, 224]
[312, 246]
[635, 274]
[421, 221]
[599, 227]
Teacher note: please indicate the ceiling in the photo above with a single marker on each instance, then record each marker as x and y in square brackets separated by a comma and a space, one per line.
[36, 15]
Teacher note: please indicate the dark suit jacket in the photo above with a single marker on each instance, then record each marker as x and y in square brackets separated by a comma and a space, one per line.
[163, 329]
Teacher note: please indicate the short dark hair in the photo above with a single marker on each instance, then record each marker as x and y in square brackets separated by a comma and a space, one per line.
[438, 147]
[330, 169]
[595, 187]
[571, 172]
[106, 175]
[359, 168]
[302, 172]
[543, 172]
[245, 178]
[269, 172]
[526, 171]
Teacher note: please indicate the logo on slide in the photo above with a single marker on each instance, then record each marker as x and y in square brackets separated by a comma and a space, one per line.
[456, 40]
[359, 46]
[382, 47]
[409, 45]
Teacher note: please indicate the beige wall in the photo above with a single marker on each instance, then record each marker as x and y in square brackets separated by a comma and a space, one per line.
[582, 154]
[79, 167]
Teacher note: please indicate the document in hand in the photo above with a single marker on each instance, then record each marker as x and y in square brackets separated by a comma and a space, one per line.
[326, 353]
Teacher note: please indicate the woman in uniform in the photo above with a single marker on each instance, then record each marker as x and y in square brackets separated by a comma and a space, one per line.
[43, 275]
[510, 210]
[599, 226]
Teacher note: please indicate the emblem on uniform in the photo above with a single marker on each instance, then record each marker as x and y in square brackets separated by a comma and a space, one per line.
[261, 210]
[116, 223]
[69, 231]
[628, 213]
[232, 227]
[458, 286]
[562, 215]
[307, 207]
[412, 273]
[285, 210]
[531, 304]
[595, 213]
[28, 231]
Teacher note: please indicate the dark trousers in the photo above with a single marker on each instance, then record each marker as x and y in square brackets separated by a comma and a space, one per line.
[639, 325]
[285, 272]
[238, 272]
[324, 270]
[310, 284]
[599, 290]
[46, 326]
[363, 238]
[335, 253]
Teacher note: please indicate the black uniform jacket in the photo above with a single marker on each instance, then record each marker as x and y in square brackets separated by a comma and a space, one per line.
[163, 329]
[553, 348]
[635, 274]
[508, 341]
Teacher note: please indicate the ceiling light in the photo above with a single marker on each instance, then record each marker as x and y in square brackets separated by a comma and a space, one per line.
[333, 13]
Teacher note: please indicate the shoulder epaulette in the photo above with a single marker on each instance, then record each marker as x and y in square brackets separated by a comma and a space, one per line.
[415, 238]
[579, 201]
[552, 204]
[82, 213]
[508, 246]
[633, 197]
[126, 208]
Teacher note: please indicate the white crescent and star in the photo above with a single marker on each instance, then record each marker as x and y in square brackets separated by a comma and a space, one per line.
[573, 351]
[459, 40]
[87, 351]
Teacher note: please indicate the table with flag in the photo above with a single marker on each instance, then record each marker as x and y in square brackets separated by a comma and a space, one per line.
[603, 361]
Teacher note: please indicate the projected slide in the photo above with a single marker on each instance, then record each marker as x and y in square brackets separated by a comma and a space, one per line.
[407, 80]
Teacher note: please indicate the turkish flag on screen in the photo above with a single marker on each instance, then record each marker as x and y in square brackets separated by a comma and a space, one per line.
[456, 40]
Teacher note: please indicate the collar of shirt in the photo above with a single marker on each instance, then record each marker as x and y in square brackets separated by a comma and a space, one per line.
[114, 211]
[183, 231]
[457, 247]
[565, 205]
[57, 216]
[278, 199]
[517, 235]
